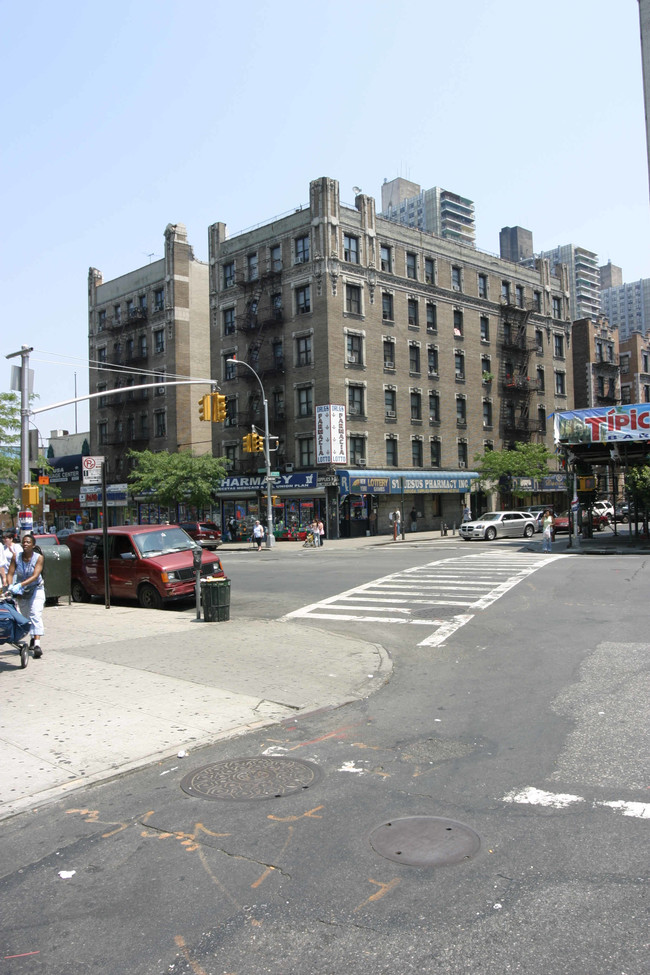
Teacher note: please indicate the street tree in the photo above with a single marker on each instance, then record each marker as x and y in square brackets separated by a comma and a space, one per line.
[181, 478]
[499, 467]
[637, 482]
[9, 452]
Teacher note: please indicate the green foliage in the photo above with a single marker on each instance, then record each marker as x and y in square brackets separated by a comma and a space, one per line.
[172, 478]
[9, 419]
[9, 458]
[637, 482]
[526, 460]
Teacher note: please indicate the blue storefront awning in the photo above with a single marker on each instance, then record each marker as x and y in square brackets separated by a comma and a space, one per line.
[409, 482]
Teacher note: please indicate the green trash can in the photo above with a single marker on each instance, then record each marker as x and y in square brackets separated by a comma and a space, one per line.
[56, 571]
[215, 596]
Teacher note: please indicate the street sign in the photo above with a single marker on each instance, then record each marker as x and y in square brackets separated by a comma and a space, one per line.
[25, 520]
[91, 468]
[43, 479]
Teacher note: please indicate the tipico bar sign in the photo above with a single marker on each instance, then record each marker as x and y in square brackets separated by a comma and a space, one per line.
[602, 425]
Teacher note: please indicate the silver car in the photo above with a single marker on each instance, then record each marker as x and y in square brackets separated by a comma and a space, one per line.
[499, 524]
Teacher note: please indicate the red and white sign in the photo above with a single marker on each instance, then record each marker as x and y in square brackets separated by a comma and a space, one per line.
[25, 520]
[91, 470]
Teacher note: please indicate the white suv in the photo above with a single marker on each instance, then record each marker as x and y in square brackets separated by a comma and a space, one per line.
[604, 508]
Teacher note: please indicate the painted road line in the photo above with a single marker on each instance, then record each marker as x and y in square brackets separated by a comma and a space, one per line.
[558, 800]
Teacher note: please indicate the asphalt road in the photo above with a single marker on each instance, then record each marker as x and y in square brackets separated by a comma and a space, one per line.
[522, 723]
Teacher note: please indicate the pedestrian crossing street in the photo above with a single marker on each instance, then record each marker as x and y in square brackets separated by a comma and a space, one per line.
[442, 595]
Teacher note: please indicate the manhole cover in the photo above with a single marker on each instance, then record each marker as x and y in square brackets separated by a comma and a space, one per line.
[251, 778]
[425, 841]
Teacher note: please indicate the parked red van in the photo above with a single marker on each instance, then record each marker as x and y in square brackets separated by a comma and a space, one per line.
[151, 563]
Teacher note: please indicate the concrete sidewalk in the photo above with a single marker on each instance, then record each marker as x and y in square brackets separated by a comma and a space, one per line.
[124, 688]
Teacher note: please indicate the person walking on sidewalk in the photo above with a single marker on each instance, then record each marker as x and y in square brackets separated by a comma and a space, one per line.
[258, 535]
[25, 580]
[320, 527]
[9, 549]
[547, 531]
[414, 519]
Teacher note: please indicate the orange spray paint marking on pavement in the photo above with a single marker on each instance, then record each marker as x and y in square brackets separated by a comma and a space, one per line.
[293, 819]
[196, 968]
[384, 889]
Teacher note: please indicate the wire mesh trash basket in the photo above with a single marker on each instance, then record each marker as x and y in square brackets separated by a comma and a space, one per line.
[215, 596]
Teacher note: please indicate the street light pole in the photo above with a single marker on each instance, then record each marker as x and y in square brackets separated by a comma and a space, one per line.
[270, 538]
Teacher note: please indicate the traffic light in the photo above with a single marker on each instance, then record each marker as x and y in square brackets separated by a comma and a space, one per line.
[247, 443]
[219, 410]
[257, 445]
[205, 407]
[29, 494]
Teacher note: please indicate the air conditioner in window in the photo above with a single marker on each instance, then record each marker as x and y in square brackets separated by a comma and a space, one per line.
[288, 468]
[354, 410]
[391, 414]
[361, 462]
[461, 463]
[389, 364]
[353, 358]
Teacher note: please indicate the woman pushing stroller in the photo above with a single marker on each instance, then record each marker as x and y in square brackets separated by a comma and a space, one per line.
[25, 582]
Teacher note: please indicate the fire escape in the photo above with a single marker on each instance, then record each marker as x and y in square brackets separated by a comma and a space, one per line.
[261, 322]
[516, 384]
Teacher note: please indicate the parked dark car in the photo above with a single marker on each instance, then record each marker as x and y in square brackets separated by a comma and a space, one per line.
[561, 521]
[151, 563]
[46, 541]
[206, 533]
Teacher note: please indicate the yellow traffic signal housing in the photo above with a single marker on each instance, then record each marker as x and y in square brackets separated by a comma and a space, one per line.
[219, 410]
[29, 494]
[258, 443]
[247, 443]
[205, 407]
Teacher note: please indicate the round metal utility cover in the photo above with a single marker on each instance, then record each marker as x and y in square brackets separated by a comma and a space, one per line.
[425, 841]
[266, 777]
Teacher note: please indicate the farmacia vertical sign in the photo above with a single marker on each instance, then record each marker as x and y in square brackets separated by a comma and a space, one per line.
[331, 435]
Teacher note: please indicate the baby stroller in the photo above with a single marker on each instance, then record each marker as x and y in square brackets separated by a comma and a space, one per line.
[14, 628]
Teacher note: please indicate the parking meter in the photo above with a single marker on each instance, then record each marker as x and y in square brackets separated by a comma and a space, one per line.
[197, 558]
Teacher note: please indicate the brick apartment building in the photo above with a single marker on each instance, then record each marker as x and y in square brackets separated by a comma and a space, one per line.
[150, 323]
[432, 350]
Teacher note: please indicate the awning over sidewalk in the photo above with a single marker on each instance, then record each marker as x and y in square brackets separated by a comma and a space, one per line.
[407, 482]
[604, 434]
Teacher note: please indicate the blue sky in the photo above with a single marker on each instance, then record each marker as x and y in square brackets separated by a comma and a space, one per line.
[121, 118]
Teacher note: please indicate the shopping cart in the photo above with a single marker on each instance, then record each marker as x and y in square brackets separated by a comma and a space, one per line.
[14, 628]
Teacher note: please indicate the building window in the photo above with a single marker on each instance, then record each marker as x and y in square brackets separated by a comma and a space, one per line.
[101, 320]
[276, 258]
[416, 453]
[350, 249]
[540, 378]
[357, 450]
[142, 302]
[142, 345]
[101, 354]
[488, 445]
[458, 324]
[386, 259]
[303, 299]
[144, 426]
[432, 360]
[305, 401]
[484, 323]
[537, 301]
[354, 349]
[646, 393]
[159, 299]
[541, 418]
[461, 411]
[434, 405]
[600, 384]
[412, 309]
[303, 350]
[411, 266]
[159, 340]
[160, 423]
[558, 346]
[387, 312]
[302, 250]
[539, 339]
[229, 368]
[560, 384]
[432, 317]
[353, 299]
[306, 451]
[229, 274]
[429, 270]
[519, 295]
[102, 400]
[482, 286]
[435, 452]
[231, 412]
[487, 413]
[391, 452]
[459, 364]
[505, 292]
[462, 453]
[557, 308]
[456, 278]
[414, 358]
[646, 361]
[117, 314]
[252, 267]
[129, 346]
[389, 354]
[416, 405]
[390, 404]
[355, 401]
[130, 308]
[160, 377]
[102, 432]
[228, 321]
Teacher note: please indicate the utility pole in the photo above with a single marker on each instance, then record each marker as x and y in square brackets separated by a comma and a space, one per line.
[25, 480]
